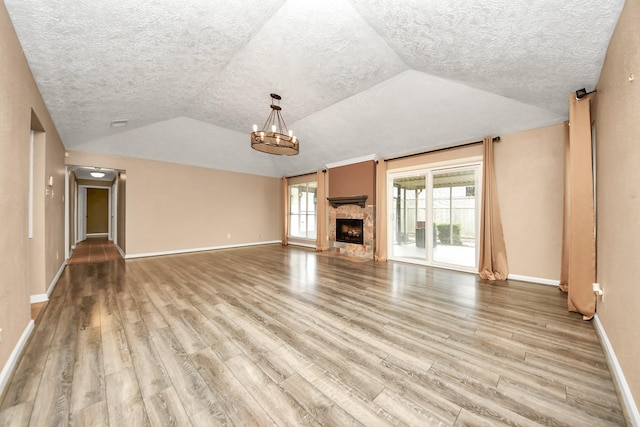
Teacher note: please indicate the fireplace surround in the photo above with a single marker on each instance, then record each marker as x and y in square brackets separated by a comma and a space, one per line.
[352, 214]
[350, 230]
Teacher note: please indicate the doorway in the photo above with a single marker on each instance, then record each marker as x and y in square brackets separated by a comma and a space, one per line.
[94, 211]
[98, 211]
[95, 206]
[434, 216]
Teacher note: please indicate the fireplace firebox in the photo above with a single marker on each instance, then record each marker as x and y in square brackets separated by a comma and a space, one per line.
[350, 230]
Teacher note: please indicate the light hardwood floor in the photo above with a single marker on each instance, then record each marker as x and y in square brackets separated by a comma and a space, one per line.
[284, 336]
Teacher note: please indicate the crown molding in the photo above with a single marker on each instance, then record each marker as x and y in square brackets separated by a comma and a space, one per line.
[361, 159]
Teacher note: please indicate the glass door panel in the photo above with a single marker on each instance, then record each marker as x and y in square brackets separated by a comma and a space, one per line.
[454, 210]
[408, 217]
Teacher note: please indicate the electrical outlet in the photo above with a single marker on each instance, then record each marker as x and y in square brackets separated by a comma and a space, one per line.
[0, 334]
[228, 235]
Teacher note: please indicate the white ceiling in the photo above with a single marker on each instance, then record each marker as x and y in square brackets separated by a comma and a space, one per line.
[357, 77]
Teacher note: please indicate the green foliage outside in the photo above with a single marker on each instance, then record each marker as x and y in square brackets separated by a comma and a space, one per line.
[444, 234]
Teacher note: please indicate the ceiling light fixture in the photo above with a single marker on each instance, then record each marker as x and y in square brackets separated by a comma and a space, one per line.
[119, 123]
[97, 174]
[275, 138]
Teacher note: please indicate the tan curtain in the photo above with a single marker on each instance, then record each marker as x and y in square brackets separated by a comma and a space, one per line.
[493, 252]
[582, 249]
[322, 241]
[285, 210]
[381, 211]
[564, 265]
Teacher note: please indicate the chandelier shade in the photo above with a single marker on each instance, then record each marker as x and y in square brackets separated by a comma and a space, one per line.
[274, 137]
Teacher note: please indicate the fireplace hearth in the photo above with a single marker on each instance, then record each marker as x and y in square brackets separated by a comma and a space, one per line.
[349, 230]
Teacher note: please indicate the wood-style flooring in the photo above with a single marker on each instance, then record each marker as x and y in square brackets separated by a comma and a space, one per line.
[273, 335]
[94, 249]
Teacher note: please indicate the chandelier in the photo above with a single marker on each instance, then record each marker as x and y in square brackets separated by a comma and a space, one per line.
[274, 137]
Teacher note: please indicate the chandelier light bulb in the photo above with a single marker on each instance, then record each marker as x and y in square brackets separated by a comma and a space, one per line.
[255, 128]
[290, 132]
[273, 128]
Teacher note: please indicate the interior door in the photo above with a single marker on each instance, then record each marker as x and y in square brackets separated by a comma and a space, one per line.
[97, 214]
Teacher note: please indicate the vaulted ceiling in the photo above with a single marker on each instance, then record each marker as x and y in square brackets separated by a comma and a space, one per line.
[357, 77]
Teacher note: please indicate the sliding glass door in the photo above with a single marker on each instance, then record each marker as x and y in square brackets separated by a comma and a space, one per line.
[434, 216]
[455, 217]
[409, 213]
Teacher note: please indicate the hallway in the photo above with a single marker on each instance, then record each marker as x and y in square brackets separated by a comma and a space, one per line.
[93, 250]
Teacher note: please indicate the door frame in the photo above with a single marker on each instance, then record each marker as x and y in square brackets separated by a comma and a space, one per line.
[113, 203]
[428, 169]
[82, 211]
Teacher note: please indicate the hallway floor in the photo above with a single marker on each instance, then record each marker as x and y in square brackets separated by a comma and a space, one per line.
[94, 249]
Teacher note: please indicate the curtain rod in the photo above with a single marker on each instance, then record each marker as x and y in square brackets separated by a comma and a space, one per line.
[495, 139]
[303, 174]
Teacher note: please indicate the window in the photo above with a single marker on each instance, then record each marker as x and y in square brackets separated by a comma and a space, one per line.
[302, 210]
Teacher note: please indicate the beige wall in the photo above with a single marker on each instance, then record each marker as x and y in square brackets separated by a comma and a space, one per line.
[529, 174]
[530, 177]
[172, 207]
[18, 97]
[94, 183]
[617, 122]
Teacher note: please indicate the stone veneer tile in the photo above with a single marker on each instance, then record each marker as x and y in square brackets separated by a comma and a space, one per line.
[367, 214]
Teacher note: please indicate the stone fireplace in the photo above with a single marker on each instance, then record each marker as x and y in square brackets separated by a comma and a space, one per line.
[350, 230]
[355, 214]
[351, 227]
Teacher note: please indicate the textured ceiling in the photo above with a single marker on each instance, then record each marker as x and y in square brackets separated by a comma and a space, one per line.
[357, 77]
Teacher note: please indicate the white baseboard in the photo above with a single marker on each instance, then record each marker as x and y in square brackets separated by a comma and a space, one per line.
[12, 362]
[184, 251]
[537, 280]
[122, 254]
[45, 297]
[33, 299]
[629, 404]
[97, 234]
[55, 279]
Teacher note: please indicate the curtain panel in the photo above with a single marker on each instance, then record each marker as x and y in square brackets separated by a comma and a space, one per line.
[381, 211]
[285, 210]
[492, 263]
[322, 239]
[581, 246]
[564, 264]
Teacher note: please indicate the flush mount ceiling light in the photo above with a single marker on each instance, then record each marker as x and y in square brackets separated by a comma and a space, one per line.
[97, 174]
[275, 138]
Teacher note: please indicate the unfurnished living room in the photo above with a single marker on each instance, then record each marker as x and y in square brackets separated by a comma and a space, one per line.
[337, 212]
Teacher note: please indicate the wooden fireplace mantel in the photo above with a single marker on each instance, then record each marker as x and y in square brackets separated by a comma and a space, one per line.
[351, 200]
